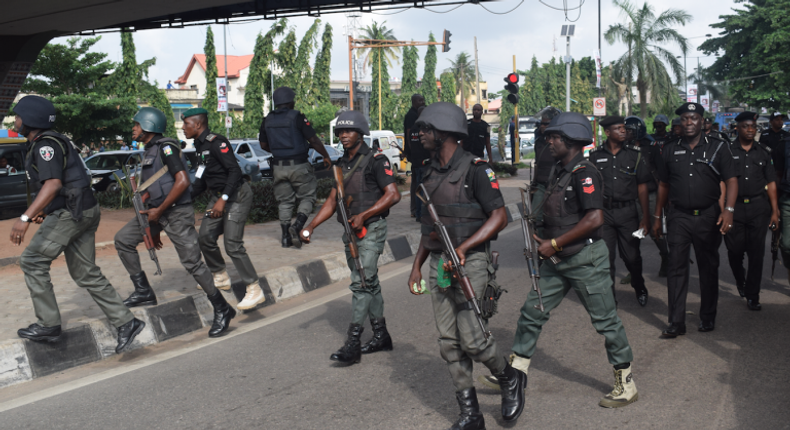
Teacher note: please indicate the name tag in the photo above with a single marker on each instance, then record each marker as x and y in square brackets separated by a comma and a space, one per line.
[148, 161]
[601, 160]
[736, 158]
[569, 188]
[205, 153]
[200, 169]
[681, 152]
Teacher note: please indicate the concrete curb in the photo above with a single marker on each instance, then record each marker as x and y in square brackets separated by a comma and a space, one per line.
[24, 360]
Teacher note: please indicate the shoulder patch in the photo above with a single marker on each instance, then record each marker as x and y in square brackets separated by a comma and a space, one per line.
[167, 150]
[578, 167]
[224, 148]
[47, 153]
[210, 137]
[477, 160]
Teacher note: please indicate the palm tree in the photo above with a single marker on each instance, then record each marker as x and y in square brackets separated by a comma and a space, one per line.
[377, 32]
[706, 83]
[647, 36]
[463, 71]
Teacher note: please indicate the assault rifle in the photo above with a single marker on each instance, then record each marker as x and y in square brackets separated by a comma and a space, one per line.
[342, 209]
[450, 256]
[776, 236]
[139, 201]
[531, 246]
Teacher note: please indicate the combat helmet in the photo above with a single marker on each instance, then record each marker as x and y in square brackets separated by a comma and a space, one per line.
[352, 120]
[36, 112]
[445, 117]
[635, 124]
[151, 120]
[571, 125]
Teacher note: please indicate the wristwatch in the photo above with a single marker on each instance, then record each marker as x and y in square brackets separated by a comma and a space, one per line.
[225, 197]
[730, 208]
[25, 218]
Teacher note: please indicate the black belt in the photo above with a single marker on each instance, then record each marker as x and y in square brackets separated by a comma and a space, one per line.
[609, 204]
[751, 199]
[289, 162]
[694, 212]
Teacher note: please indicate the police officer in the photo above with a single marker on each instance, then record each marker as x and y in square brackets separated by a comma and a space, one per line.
[710, 130]
[660, 123]
[573, 216]
[285, 132]
[544, 161]
[677, 130]
[478, 140]
[774, 138]
[219, 172]
[625, 180]
[69, 216]
[164, 177]
[690, 170]
[414, 151]
[466, 194]
[369, 181]
[755, 209]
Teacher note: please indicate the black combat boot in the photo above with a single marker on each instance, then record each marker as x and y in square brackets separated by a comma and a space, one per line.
[296, 229]
[40, 333]
[351, 351]
[512, 382]
[286, 241]
[470, 417]
[381, 340]
[127, 333]
[143, 294]
[223, 313]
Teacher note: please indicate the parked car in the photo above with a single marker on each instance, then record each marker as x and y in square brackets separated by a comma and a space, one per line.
[387, 144]
[527, 147]
[13, 189]
[104, 166]
[317, 160]
[250, 149]
[249, 168]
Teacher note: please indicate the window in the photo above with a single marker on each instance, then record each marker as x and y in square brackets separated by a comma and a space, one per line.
[12, 159]
[484, 93]
[177, 111]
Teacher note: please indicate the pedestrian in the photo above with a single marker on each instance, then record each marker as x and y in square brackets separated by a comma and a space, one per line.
[124, 147]
[573, 217]
[369, 181]
[466, 194]
[690, 171]
[69, 216]
[544, 161]
[414, 152]
[626, 175]
[169, 85]
[755, 209]
[164, 167]
[231, 200]
[285, 132]
[478, 141]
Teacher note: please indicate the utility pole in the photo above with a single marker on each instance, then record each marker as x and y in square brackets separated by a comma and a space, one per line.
[350, 73]
[227, 84]
[599, 49]
[380, 127]
[477, 76]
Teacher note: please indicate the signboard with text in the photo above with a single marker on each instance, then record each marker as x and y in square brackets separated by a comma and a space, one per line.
[222, 95]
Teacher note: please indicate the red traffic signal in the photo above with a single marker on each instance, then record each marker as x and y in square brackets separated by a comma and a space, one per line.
[512, 78]
[512, 88]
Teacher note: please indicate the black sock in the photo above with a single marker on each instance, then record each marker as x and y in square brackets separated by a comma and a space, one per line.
[621, 366]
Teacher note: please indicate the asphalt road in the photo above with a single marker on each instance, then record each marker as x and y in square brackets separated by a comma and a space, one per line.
[273, 370]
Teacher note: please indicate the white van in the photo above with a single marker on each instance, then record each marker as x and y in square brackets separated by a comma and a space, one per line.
[387, 144]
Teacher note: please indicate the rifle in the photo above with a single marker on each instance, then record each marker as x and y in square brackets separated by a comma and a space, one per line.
[342, 209]
[449, 255]
[776, 236]
[531, 246]
[139, 201]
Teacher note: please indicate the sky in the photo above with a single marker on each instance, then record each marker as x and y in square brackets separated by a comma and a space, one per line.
[526, 28]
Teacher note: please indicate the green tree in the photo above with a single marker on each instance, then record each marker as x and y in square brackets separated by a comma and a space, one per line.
[706, 83]
[463, 71]
[753, 42]
[581, 91]
[215, 121]
[384, 97]
[553, 78]
[408, 85]
[258, 82]
[377, 31]
[304, 76]
[448, 91]
[321, 71]
[428, 87]
[647, 37]
[158, 98]
[537, 95]
[286, 59]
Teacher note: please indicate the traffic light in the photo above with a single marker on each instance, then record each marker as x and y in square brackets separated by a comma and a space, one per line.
[512, 88]
[446, 41]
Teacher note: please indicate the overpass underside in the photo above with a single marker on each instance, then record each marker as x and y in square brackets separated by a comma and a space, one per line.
[28, 26]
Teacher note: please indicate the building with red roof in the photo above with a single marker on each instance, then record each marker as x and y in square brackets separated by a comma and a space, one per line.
[194, 78]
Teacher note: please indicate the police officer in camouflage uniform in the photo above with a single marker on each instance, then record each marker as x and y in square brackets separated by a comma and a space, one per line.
[286, 132]
[466, 194]
[218, 171]
[69, 216]
[369, 180]
[164, 177]
[573, 216]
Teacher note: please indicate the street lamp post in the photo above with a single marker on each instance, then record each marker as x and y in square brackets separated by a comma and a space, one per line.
[685, 71]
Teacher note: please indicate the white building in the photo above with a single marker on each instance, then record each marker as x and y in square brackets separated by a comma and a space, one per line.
[194, 78]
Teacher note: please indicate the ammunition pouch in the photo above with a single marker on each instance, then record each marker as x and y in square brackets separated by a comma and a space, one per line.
[491, 294]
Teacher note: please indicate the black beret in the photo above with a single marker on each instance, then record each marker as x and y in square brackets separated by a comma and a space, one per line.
[612, 120]
[690, 107]
[746, 116]
[778, 114]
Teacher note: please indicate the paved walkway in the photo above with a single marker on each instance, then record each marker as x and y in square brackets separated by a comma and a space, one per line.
[261, 240]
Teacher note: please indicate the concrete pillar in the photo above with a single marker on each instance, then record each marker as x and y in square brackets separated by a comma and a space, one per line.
[17, 55]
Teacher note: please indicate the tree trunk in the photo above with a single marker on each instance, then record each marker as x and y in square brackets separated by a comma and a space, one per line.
[640, 85]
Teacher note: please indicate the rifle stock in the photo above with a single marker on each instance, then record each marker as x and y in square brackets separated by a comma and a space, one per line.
[139, 202]
[450, 256]
[342, 209]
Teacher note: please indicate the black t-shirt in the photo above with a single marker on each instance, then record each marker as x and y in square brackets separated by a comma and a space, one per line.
[47, 162]
[693, 184]
[478, 135]
[221, 173]
[622, 172]
[775, 141]
[378, 175]
[301, 123]
[585, 191]
[756, 167]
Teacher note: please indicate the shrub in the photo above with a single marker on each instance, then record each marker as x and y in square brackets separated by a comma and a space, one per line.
[505, 168]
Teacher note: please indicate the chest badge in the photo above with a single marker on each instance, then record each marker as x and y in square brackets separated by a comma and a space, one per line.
[681, 152]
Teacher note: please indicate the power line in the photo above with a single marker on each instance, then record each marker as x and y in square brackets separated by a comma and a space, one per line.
[501, 13]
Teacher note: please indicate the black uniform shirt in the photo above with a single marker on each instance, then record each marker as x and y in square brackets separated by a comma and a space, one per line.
[301, 123]
[585, 190]
[481, 182]
[543, 160]
[693, 184]
[221, 172]
[47, 157]
[413, 150]
[169, 153]
[775, 141]
[478, 134]
[621, 172]
[756, 169]
[379, 176]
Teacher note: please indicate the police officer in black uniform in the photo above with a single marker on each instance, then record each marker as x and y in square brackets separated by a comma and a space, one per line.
[69, 216]
[288, 135]
[660, 123]
[478, 141]
[711, 130]
[691, 169]
[625, 178]
[231, 200]
[774, 138]
[164, 177]
[755, 209]
[414, 151]
[544, 161]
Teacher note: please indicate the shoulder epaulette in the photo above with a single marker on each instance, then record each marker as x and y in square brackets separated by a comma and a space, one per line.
[578, 167]
[478, 160]
[210, 137]
[764, 146]
[597, 148]
[634, 148]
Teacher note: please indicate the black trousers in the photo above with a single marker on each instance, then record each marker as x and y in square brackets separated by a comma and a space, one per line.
[618, 226]
[701, 231]
[747, 235]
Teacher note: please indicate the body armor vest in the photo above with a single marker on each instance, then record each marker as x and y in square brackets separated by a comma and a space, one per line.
[363, 196]
[285, 140]
[557, 220]
[461, 215]
[152, 163]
